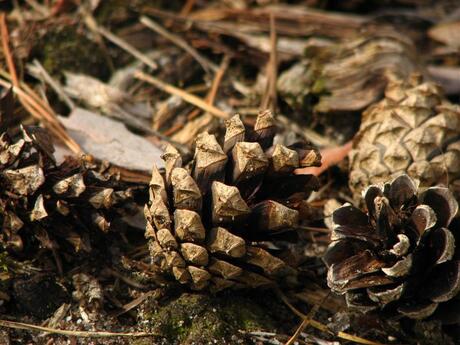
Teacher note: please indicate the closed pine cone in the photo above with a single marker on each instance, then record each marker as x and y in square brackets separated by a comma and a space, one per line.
[414, 130]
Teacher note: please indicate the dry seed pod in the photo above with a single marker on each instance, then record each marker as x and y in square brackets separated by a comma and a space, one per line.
[215, 226]
[399, 256]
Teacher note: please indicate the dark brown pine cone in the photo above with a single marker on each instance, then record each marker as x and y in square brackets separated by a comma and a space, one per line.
[226, 219]
[401, 255]
[53, 206]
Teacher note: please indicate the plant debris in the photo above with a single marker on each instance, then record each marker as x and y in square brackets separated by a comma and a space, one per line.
[297, 163]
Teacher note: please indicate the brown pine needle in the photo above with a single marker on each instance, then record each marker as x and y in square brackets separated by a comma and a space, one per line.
[41, 113]
[125, 46]
[80, 334]
[305, 323]
[324, 328]
[188, 97]
[28, 98]
[6, 49]
[207, 65]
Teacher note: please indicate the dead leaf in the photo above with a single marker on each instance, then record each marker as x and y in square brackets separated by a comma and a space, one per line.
[109, 140]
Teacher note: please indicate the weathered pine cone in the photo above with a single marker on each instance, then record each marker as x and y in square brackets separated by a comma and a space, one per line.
[414, 130]
[401, 255]
[226, 219]
[53, 206]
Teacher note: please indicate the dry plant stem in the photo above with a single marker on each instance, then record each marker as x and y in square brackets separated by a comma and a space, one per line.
[80, 334]
[324, 328]
[192, 99]
[125, 46]
[207, 65]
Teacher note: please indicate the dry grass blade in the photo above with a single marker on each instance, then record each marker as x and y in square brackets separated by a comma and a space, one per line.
[80, 334]
[188, 97]
[207, 65]
[324, 328]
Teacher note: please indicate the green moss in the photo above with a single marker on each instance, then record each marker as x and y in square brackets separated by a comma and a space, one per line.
[197, 318]
[64, 48]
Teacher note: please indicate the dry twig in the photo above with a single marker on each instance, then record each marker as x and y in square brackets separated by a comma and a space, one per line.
[188, 97]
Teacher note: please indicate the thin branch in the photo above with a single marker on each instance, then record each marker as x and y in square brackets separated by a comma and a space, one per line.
[80, 334]
[207, 65]
[188, 97]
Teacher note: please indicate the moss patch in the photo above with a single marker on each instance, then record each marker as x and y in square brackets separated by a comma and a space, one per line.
[201, 319]
[64, 48]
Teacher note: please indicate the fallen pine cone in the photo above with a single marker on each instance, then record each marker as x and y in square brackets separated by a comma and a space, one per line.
[226, 219]
[400, 255]
[52, 206]
[413, 131]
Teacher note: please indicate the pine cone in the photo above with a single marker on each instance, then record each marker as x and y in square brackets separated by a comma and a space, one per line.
[413, 131]
[401, 255]
[225, 220]
[58, 205]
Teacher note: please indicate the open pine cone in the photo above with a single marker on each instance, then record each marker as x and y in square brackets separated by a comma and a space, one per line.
[414, 130]
[226, 219]
[53, 206]
[401, 255]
